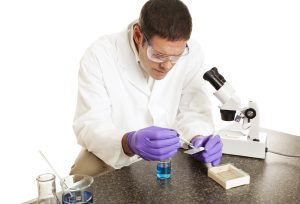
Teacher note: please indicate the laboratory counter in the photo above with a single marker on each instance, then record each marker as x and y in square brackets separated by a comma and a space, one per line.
[275, 179]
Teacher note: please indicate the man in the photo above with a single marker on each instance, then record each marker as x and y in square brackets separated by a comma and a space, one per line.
[139, 90]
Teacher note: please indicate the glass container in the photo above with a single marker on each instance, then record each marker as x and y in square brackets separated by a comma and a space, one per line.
[46, 189]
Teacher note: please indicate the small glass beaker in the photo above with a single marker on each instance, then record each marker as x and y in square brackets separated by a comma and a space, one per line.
[46, 189]
[77, 189]
[163, 169]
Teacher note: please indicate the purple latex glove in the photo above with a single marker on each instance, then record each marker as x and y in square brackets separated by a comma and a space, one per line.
[213, 149]
[153, 143]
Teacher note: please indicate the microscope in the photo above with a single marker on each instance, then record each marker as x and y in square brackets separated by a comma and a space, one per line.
[243, 136]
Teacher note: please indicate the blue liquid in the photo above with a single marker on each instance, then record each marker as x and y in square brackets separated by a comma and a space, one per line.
[78, 197]
[163, 170]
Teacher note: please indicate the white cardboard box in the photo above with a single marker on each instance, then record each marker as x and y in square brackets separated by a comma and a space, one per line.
[228, 176]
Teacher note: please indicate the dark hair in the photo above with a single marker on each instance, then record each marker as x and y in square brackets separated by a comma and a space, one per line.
[168, 19]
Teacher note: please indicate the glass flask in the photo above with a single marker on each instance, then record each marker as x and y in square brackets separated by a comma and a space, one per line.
[163, 170]
[46, 189]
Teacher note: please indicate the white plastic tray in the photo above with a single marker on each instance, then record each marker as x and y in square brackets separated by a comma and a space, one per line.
[228, 176]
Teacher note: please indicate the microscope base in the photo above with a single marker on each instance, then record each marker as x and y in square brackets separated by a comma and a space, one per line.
[237, 143]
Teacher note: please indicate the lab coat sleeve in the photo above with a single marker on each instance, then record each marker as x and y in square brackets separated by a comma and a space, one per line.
[93, 125]
[194, 115]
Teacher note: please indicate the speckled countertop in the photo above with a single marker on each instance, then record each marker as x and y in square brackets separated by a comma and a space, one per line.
[275, 179]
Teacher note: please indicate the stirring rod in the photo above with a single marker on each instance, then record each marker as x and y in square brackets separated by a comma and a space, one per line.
[60, 179]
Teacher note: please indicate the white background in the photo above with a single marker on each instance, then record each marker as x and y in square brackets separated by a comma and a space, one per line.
[255, 44]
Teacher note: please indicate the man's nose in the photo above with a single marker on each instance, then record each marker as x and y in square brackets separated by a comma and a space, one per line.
[166, 65]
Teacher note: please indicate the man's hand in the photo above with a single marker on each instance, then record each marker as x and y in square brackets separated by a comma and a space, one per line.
[153, 143]
[213, 149]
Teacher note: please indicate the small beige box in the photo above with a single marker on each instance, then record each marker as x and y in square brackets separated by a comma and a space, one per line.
[228, 176]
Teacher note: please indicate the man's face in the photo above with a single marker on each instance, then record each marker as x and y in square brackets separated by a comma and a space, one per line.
[159, 48]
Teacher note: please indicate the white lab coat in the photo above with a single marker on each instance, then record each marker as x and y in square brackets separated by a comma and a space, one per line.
[114, 98]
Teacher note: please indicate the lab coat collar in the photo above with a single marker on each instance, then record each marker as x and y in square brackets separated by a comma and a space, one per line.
[131, 41]
[127, 60]
[134, 49]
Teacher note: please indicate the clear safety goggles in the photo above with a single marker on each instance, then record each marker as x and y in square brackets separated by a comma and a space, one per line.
[155, 56]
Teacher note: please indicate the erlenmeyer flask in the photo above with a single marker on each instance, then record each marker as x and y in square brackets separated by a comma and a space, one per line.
[46, 189]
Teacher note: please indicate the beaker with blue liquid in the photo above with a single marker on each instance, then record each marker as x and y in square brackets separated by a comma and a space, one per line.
[77, 189]
[163, 169]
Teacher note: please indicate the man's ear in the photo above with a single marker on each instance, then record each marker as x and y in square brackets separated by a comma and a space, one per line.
[137, 34]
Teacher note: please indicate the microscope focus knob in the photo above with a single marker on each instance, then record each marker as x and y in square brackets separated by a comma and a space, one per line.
[250, 113]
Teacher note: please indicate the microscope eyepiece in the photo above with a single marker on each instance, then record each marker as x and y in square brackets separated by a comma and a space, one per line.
[214, 78]
[227, 115]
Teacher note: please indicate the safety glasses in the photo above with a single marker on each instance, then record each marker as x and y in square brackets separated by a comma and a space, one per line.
[155, 56]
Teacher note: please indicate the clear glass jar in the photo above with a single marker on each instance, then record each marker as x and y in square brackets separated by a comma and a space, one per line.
[46, 189]
[163, 169]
